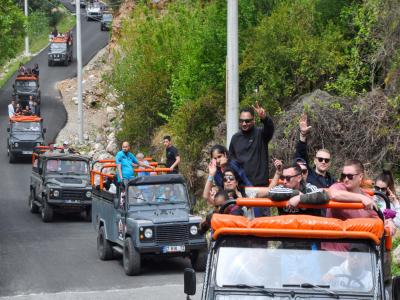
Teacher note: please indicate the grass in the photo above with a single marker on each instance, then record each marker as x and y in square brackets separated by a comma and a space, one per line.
[395, 267]
[36, 44]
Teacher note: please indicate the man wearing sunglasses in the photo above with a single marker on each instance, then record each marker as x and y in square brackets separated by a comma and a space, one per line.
[318, 176]
[249, 146]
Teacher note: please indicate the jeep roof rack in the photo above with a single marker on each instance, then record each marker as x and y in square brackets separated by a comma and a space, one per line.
[25, 119]
[26, 77]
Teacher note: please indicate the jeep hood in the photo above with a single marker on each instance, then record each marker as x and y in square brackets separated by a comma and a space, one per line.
[162, 214]
[68, 181]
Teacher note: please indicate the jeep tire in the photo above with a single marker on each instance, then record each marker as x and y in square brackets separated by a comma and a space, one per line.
[130, 258]
[86, 214]
[11, 157]
[50, 63]
[32, 206]
[198, 259]
[104, 248]
[47, 212]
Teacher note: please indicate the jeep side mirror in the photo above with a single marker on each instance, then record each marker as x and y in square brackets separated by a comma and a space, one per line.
[189, 282]
[396, 288]
[8, 129]
[44, 130]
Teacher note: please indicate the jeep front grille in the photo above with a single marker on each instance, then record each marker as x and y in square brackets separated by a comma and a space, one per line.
[170, 234]
[72, 194]
[26, 145]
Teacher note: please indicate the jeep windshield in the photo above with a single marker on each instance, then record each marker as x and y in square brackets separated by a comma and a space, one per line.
[26, 85]
[155, 194]
[107, 18]
[26, 127]
[67, 167]
[293, 266]
[58, 47]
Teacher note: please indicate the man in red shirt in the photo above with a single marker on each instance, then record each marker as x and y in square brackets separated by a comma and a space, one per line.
[349, 190]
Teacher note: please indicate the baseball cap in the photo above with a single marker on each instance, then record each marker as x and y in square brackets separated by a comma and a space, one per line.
[65, 143]
[299, 160]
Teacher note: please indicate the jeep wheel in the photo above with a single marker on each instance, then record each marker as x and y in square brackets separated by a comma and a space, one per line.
[47, 212]
[50, 63]
[104, 249]
[11, 158]
[87, 214]
[199, 260]
[131, 258]
[32, 206]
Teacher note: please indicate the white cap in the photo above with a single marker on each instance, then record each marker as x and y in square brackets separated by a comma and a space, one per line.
[65, 143]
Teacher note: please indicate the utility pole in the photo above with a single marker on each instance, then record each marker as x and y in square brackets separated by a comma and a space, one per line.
[79, 65]
[232, 101]
[26, 33]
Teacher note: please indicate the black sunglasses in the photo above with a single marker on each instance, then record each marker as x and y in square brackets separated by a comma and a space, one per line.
[287, 178]
[349, 176]
[229, 178]
[380, 189]
[321, 159]
[247, 121]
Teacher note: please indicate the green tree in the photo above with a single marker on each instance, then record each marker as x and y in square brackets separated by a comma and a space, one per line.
[12, 29]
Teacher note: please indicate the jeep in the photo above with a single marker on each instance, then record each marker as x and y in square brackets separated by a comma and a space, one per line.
[60, 181]
[25, 86]
[60, 49]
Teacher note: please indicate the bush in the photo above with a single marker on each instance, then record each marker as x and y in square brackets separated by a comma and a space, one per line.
[38, 23]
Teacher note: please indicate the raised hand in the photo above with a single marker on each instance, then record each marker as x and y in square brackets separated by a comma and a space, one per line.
[303, 125]
[278, 165]
[212, 167]
[260, 111]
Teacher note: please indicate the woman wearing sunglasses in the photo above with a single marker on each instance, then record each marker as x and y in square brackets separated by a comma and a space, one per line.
[392, 213]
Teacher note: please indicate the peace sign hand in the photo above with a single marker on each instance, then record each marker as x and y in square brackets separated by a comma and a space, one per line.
[260, 111]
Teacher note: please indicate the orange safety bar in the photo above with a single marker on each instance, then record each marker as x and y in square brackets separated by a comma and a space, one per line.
[388, 239]
[27, 77]
[102, 176]
[25, 119]
[265, 202]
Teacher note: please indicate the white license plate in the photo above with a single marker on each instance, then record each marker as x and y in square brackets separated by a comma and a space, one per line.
[172, 249]
[26, 152]
[71, 201]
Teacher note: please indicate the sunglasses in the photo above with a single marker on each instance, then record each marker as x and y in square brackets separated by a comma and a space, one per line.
[349, 176]
[229, 178]
[287, 178]
[321, 159]
[247, 121]
[380, 189]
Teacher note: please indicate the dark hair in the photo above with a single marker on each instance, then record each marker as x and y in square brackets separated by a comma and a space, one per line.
[221, 193]
[386, 177]
[295, 166]
[219, 149]
[249, 110]
[167, 137]
[235, 174]
[356, 163]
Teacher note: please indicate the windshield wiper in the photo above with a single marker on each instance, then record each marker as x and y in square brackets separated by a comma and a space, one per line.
[259, 288]
[322, 288]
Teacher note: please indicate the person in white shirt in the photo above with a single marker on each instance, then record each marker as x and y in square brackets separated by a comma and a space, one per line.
[11, 110]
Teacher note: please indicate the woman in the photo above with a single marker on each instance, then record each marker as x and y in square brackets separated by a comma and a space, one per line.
[392, 213]
[220, 161]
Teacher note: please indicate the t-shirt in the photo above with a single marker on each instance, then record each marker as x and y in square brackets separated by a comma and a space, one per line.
[142, 168]
[126, 160]
[352, 281]
[345, 214]
[171, 153]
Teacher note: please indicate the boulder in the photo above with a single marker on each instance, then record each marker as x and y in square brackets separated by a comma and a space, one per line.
[98, 147]
[112, 147]
[111, 114]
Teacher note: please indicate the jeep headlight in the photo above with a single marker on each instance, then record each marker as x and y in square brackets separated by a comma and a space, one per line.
[193, 230]
[88, 194]
[148, 233]
[56, 193]
[16, 145]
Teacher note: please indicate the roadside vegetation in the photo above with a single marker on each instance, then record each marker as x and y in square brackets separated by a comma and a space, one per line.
[43, 17]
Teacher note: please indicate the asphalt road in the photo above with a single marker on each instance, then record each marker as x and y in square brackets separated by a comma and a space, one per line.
[59, 260]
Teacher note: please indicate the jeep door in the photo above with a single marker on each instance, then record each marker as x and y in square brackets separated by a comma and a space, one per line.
[36, 178]
[118, 228]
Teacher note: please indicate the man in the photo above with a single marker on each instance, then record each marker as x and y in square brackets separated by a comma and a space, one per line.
[172, 154]
[11, 109]
[65, 148]
[35, 70]
[318, 176]
[31, 105]
[297, 190]
[249, 146]
[140, 157]
[125, 162]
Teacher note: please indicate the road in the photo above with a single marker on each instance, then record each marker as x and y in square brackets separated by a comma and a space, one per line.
[59, 260]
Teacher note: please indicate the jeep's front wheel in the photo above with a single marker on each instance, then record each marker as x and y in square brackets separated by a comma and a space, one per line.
[199, 260]
[131, 258]
[104, 249]
[11, 157]
[47, 212]
[32, 206]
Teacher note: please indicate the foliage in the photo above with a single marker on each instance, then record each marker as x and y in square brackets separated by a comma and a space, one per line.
[12, 28]
[395, 267]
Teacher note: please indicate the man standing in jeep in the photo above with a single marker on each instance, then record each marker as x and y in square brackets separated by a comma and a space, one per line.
[172, 154]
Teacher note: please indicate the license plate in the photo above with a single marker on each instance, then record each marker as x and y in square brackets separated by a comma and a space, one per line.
[26, 152]
[56, 59]
[71, 201]
[172, 249]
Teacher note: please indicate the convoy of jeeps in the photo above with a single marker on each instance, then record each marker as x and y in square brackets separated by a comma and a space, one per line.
[277, 257]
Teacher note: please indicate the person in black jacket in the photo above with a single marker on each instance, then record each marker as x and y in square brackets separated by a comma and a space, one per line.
[319, 175]
[249, 146]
